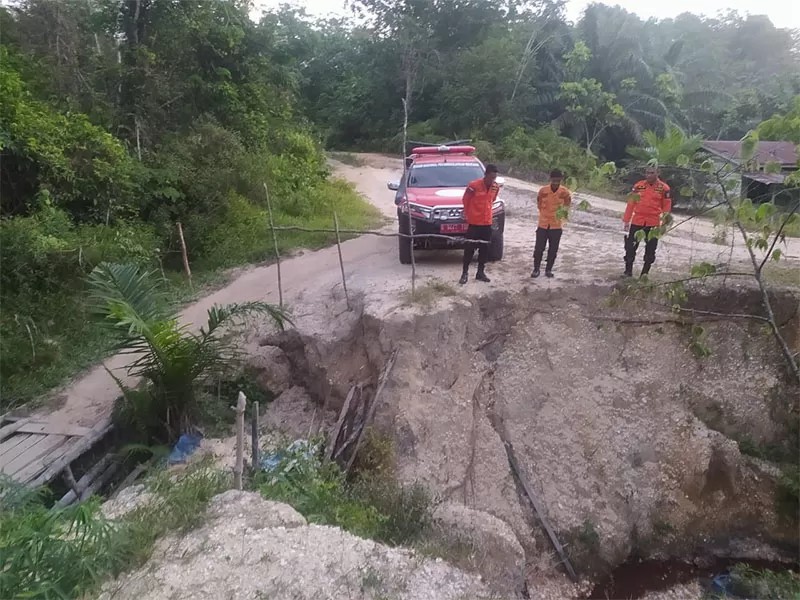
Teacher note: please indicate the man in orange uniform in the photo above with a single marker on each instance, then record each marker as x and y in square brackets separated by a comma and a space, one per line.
[548, 233]
[651, 200]
[478, 200]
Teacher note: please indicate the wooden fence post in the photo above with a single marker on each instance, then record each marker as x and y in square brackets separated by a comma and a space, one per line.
[341, 261]
[254, 441]
[239, 468]
[275, 242]
[184, 253]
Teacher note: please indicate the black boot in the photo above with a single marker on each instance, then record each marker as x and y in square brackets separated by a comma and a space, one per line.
[548, 273]
[536, 272]
[645, 269]
[464, 277]
[628, 270]
[481, 276]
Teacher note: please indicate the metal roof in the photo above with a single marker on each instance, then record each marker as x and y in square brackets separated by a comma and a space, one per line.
[784, 153]
[768, 178]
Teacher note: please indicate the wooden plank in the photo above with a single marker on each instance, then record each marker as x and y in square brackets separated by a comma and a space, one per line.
[79, 487]
[8, 430]
[12, 443]
[14, 452]
[33, 454]
[537, 509]
[79, 447]
[35, 468]
[54, 429]
[387, 371]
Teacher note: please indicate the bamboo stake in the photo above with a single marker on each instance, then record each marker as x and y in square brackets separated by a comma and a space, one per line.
[239, 468]
[184, 253]
[254, 434]
[341, 261]
[275, 242]
[408, 207]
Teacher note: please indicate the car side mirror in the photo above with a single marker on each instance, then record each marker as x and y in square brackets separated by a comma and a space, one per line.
[393, 185]
[500, 181]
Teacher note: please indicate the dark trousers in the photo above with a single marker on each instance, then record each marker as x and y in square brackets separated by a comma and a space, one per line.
[477, 232]
[550, 238]
[631, 246]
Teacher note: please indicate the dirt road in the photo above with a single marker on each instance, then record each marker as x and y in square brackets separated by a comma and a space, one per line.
[591, 252]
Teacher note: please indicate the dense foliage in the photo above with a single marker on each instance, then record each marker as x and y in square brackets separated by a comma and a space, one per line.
[488, 69]
[118, 121]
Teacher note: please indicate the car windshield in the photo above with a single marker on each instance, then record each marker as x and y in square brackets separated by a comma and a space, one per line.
[443, 175]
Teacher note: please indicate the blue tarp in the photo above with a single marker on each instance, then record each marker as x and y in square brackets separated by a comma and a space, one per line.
[297, 449]
[185, 447]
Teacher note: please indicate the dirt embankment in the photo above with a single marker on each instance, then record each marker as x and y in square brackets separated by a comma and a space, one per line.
[627, 437]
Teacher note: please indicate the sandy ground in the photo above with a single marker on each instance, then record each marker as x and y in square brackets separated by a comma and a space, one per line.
[591, 252]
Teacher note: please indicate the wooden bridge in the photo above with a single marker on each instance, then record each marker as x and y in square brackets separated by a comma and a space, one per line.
[34, 451]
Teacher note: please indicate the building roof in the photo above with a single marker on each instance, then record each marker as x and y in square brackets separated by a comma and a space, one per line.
[768, 178]
[784, 153]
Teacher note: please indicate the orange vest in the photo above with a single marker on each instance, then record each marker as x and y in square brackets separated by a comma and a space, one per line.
[653, 201]
[549, 202]
[478, 201]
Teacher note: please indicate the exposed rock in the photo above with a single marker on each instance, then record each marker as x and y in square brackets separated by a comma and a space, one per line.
[127, 501]
[293, 414]
[252, 549]
[495, 552]
[271, 368]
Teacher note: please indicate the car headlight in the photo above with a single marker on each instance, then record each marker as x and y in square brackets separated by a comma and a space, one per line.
[445, 214]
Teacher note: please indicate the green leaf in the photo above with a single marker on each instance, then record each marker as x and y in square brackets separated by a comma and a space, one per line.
[584, 206]
[634, 197]
[640, 235]
[764, 211]
[707, 166]
[749, 145]
[703, 269]
[682, 160]
[562, 213]
[686, 191]
[572, 183]
[776, 254]
[772, 167]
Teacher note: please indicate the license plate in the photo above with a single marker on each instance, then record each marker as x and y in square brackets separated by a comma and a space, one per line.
[454, 228]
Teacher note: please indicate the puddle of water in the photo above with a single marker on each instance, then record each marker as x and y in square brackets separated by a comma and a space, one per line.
[634, 579]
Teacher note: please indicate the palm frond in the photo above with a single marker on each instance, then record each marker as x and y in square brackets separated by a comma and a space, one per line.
[126, 297]
[219, 316]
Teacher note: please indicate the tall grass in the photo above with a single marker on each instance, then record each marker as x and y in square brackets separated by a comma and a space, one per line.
[55, 553]
[372, 504]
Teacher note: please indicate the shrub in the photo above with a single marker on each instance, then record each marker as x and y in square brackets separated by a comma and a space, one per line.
[67, 552]
[53, 553]
[171, 360]
[373, 506]
[543, 149]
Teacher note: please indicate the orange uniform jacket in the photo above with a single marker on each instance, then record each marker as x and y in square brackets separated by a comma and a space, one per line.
[548, 202]
[478, 201]
[654, 200]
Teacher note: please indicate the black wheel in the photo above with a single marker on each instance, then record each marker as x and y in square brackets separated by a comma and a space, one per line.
[496, 245]
[403, 243]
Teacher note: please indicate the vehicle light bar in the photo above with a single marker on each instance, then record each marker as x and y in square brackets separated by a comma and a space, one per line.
[443, 150]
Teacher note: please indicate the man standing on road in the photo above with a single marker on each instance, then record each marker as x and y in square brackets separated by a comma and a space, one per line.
[550, 199]
[648, 205]
[478, 200]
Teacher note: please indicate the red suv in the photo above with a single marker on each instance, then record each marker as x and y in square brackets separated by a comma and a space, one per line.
[434, 183]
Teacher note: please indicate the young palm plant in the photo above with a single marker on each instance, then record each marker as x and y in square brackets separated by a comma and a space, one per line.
[172, 360]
